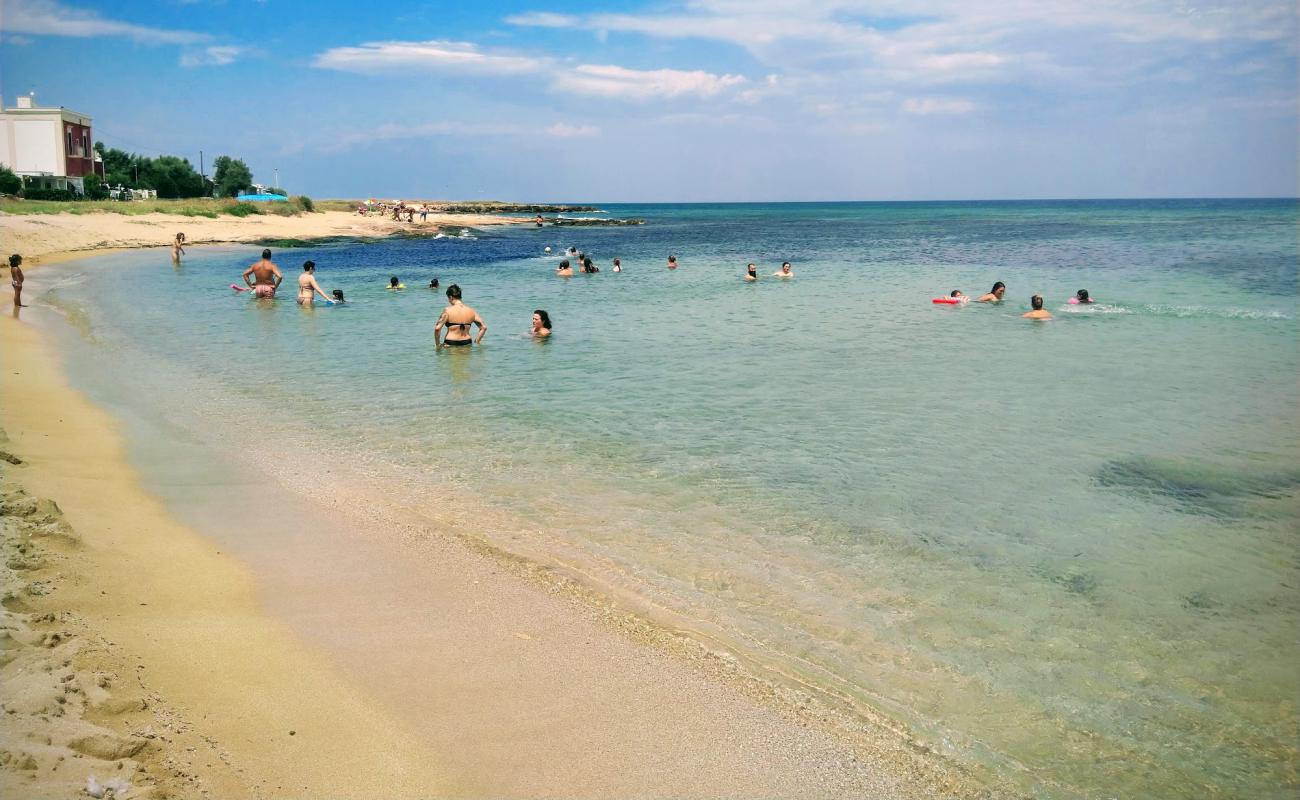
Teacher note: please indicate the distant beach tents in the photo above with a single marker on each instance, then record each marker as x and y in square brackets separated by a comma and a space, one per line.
[261, 198]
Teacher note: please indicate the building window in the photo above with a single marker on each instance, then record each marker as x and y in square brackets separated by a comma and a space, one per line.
[69, 142]
[85, 144]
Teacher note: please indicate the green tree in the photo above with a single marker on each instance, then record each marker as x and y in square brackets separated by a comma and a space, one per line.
[173, 177]
[94, 186]
[231, 176]
[9, 182]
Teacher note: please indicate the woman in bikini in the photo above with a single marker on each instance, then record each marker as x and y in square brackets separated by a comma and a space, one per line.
[457, 318]
[178, 248]
[308, 288]
[994, 295]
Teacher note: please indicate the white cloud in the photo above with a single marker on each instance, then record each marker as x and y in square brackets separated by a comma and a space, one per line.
[437, 56]
[937, 105]
[50, 18]
[620, 82]
[217, 56]
[543, 19]
[562, 130]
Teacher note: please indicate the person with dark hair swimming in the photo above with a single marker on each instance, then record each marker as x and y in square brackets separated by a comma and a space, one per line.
[433, 284]
[1081, 297]
[394, 284]
[266, 276]
[457, 319]
[995, 294]
[618, 265]
[565, 270]
[589, 266]
[751, 272]
[1038, 312]
[541, 324]
[308, 288]
[672, 262]
[784, 272]
[338, 297]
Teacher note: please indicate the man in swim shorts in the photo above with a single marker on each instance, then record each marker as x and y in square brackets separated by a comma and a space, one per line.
[266, 274]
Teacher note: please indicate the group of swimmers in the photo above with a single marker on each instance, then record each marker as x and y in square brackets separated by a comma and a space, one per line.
[999, 289]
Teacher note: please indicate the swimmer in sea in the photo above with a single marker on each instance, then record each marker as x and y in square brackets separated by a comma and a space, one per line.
[16, 279]
[751, 272]
[266, 276]
[308, 288]
[618, 266]
[433, 284]
[457, 319]
[1038, 312]
[394, 284]
[956, 294]
[564, 270]
[589, 266]
[1081, 297]
[178, 248]
[338, 297]
[672, 262]
[784, 272]
[995, 294]
[541, 324]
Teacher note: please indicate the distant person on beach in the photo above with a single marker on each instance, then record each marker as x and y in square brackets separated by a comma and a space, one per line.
[564, 270]
[995, 294]
[433, 284]
[1081, 297]
[1038, 312]
[751, 272]
[266, 276]
[618, 265]
[784, 272]
[424, 211]
[541, 324]
[338, 297]
[178, 248]
[16, 279]
[457, 319]
[308, 288]
[672, 262]
[394, 284]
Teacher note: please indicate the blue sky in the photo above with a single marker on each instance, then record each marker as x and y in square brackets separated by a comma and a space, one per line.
[699, 100]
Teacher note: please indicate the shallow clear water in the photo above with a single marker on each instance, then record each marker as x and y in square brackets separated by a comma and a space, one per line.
[1065, 550]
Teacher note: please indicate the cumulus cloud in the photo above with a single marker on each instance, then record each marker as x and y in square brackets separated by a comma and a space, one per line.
[925, 106]
[216, 56]
[435, 55]
[620, 82]
[50, 18]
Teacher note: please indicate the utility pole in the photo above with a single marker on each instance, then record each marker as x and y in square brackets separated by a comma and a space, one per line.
[277, 177]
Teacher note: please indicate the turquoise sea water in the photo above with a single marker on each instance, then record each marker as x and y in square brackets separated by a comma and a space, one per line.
[1066, 551]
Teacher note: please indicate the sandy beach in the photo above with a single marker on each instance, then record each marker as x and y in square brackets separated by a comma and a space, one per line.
[368, 657]
[47, 238]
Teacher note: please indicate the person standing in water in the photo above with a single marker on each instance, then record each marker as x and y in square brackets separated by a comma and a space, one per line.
[784, 272]
[751, 272]
[672, 262]
[266, 276]
[541, 324]
[16, 279]
[178, 248]
[565, 270]
[308, 288]
[618, 265]
[1038, 312]
[457, 319]
[995, 294]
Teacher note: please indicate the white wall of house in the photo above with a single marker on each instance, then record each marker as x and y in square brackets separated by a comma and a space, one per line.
[35, 146]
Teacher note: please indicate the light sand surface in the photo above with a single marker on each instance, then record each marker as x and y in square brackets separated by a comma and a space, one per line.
[47, 238]
[407, 662]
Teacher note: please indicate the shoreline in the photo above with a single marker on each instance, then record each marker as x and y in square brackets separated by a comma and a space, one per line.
[45, 239]
[874, 745]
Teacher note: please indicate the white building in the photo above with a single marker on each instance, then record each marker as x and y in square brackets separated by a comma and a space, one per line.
[53, 147]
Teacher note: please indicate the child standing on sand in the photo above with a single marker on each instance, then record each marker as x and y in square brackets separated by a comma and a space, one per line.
[16, 279]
